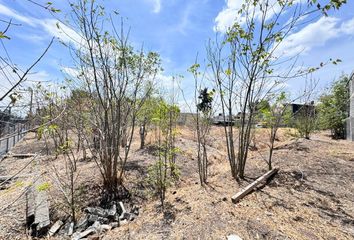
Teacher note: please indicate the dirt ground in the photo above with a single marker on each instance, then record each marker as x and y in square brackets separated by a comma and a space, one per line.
[312, 196]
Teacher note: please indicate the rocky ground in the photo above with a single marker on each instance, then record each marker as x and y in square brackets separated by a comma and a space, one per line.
[312, 196]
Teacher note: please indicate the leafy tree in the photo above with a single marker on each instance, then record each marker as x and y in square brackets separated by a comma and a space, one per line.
[274, 116]
[249, 64]
[118, 79]
[334, 107]
[145, 117]
[164, 170]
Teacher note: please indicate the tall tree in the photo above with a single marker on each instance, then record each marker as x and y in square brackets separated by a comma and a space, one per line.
[118, 81]
[248, 64]
[334, 107]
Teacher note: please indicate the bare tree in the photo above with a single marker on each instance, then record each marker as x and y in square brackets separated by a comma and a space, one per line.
[116, 78]
[274, 115]
[203, 99]
[249, 64]
[305, 118]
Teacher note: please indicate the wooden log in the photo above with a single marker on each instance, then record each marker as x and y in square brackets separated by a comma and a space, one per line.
[20, 155]
[8, 178]
[250, 187]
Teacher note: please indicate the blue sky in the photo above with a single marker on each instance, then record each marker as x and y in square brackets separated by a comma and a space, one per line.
[177, 29]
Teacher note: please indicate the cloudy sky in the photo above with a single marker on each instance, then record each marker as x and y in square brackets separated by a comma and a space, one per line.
[177, 29]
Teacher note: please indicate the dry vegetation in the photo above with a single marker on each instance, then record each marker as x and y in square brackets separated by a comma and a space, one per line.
[310, 198]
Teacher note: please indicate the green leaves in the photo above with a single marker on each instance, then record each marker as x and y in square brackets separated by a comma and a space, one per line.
[206, 100]
[51, 8]
[194, 69]
[43, 187]
[335, 4]
[3, 36]
[335, 62]
[334, 106]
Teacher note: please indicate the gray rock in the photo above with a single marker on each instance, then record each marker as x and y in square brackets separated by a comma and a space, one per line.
[82, 223]
[234, 237]
[97, 211]
[127, 216]
[112, 211]
[55, 228]
[71, 229]
[91, 218]
[105, 227]
[114, 224]
[96, 225]
[80, 235]
[135, 210]
[123, 222]
[122, 208]
[103, 220]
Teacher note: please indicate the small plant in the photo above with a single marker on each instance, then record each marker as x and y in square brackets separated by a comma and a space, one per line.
[44, 187]
[165, 170]
[306, 121]
[160, 179]
[274, 116]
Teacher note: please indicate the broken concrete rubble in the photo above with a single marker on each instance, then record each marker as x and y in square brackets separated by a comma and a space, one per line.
[80, 235]
[55, 228]
[98, 220]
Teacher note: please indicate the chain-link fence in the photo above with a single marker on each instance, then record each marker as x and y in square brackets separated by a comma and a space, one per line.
[11, 133]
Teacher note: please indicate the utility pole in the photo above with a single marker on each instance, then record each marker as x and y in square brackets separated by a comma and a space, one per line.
[30, 114]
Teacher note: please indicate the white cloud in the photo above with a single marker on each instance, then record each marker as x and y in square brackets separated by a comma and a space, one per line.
[156, 5]
[34, 38]
[315, 34]
[61, 31]
[64, 33]
[185, 21]
[166, 82]
[40, 76]
[348, 27]
[229, 15]
[13, 14]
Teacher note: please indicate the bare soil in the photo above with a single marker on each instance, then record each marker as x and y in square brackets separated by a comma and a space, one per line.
[312, 196]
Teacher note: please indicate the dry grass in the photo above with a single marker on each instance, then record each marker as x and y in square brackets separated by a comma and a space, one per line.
[311, 197]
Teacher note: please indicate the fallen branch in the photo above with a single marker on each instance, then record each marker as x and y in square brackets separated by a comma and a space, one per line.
[250, 187]
[8, 178]
[24, 155]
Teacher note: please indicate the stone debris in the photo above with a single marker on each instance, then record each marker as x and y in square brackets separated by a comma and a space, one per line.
[71, 229]
[94, 222]
[98, 220]
[80, 235]
[55, 228]
[234, 237]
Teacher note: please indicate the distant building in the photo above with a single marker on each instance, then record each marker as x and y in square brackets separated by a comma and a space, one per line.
[303, 109]
[350, 119]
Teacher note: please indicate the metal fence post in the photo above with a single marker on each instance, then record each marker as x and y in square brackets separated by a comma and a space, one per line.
[18, 132]
[7, 144]
[14, 136]
[22, 130]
